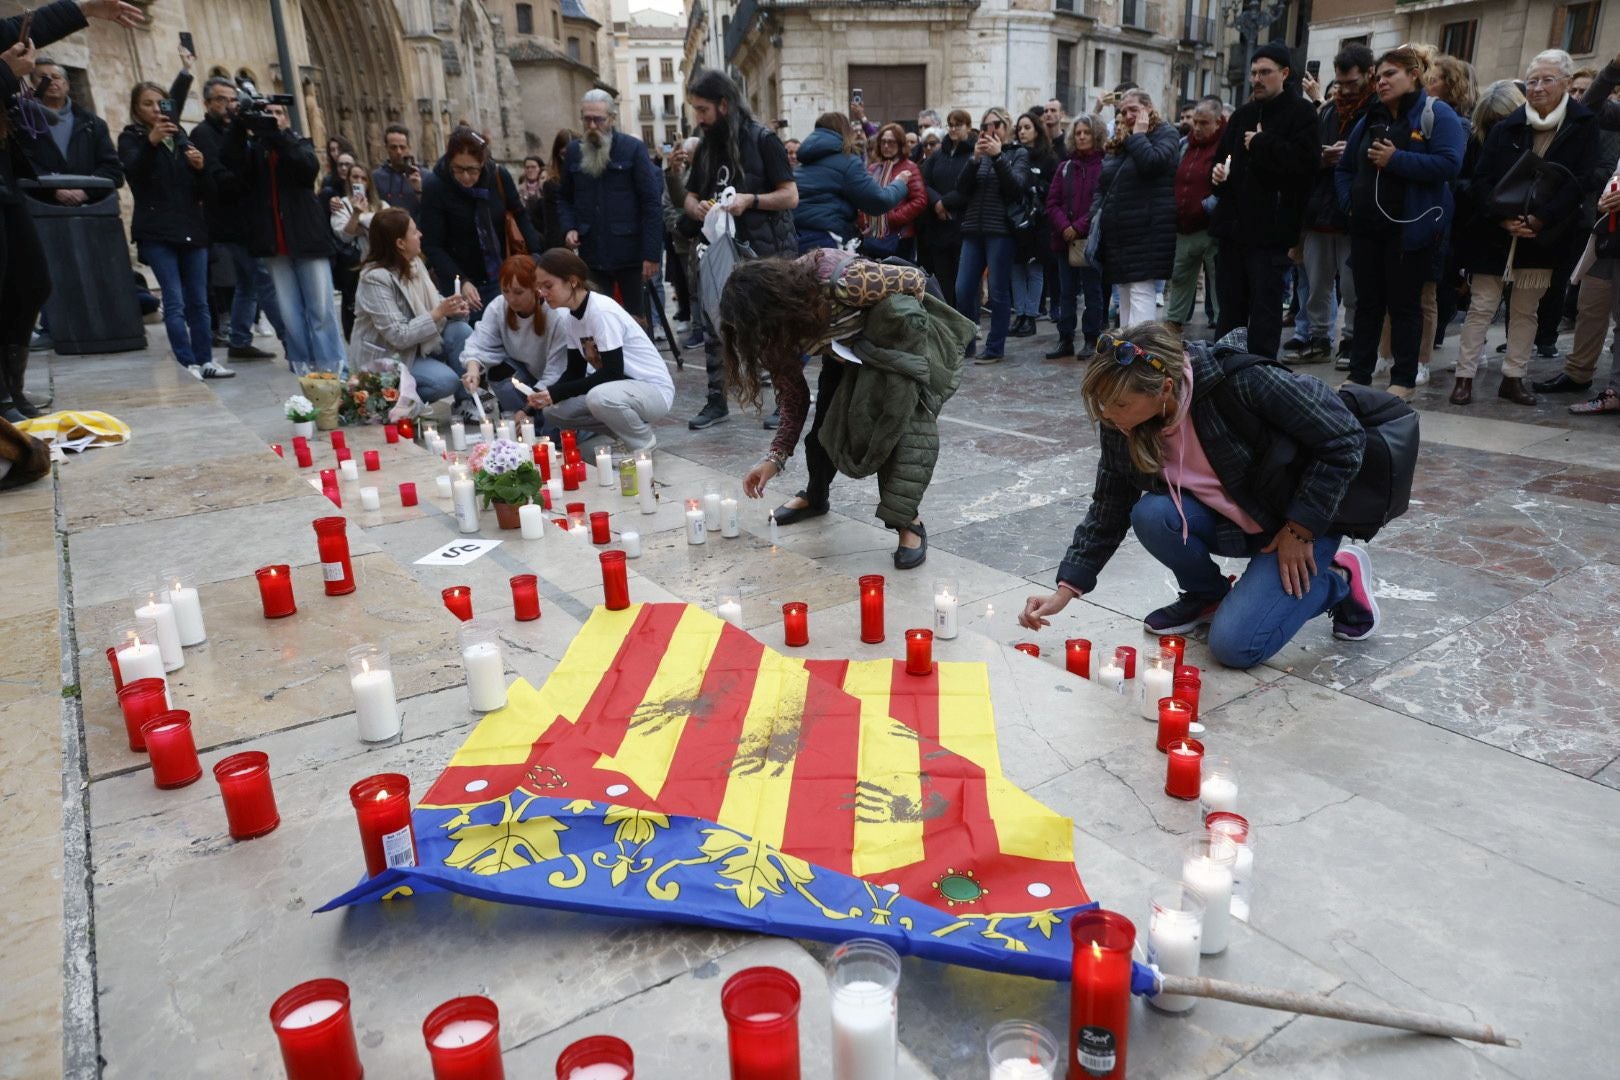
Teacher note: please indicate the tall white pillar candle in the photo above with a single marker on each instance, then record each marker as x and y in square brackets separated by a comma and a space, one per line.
[506, 430]
[369, 499]
[486, 675]
[644, 483]
[554, 488]
[148, 606]
[730, 524]
[630, 541]
[465, 496]
[526, 431]
[696, 531]
[1207, 871]
[531, 522]
[604, 467]
[376, 711]
[458, 435]
[1153, 682]
[188, 617]
[945, 611]
[711, 511]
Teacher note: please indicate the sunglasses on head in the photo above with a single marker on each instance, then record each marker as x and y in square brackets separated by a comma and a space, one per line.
[1126, 352]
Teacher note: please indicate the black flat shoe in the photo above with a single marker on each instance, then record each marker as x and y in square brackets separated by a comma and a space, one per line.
[910, 558]
[1561, 384]
[788, 515]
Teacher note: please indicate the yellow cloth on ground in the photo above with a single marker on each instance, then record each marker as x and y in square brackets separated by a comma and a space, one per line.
[73, 425]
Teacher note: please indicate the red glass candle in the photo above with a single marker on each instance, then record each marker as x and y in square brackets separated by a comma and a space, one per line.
[373, 460]
[173, 751]
[343, 453]
[795, 624]
[407, 428]
[542, 457]
[329, 478]
[464, 1040]
[578, 468]
[1028, 648]
[141, 701]
[1235, 826]
[570, 478]
[277, 448]
[407, 494]
[1100, 997]
[1185, 769]
[1126, 655]
[382, 806]
[1175, 645]
[761, 1007]
[919, 652]
[596, 1050]
[575, 512]
[112, 662]
[458, 601]
[601, 532]
[1188, 690]
[316, 1033]
[615, 581]
[545, 498]
[275, 591]
[301, 453]
[331, 537]
[1077, 657]
[570, 445]
[872, 608]
[339, 442]
[1186, 671]
[1174, 717]
[244, 785]
[333, 492]
[525, 598]
[391, 433]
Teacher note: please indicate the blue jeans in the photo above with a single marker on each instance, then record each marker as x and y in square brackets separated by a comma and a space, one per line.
[182, 274]
[812, 239]
[304, 295]
[254, 290]
[1256, 617]
[439, 376]
[1028, 279]
[1077, 283]
[979, 252]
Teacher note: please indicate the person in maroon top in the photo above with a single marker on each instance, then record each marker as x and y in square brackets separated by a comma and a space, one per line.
[1195, 248]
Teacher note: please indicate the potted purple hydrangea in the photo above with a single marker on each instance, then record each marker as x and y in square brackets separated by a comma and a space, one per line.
[505, 476]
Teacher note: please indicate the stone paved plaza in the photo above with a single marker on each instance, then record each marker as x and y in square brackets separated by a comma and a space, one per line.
[1438, 820]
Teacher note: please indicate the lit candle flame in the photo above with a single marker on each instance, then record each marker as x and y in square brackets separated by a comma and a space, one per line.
[1096, 951]
[381, 795]
[989, 611]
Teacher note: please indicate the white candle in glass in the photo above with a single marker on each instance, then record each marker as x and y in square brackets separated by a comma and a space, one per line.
[1242, 867]
[711, 510]
[369, 499]
[1175, 935]
[1218, 789]
[526, 431]
[865, 1036]
[443, 482]
[486, 431]
[506, 430]
[602, 1070]
[465, 496]
[462, 1033]
[458, 435]
[644, 483]
[945, 605]
[630, 541]
[310, 1014]
[148, 606]
[531, 522]
[730, 609]
[1020, 1069]
[376, 711]
[775, 531]
[1156, 681]
[579, 532]
[696, 532]
[1207, 871]
[486, 675]
[1111, 677]
[188, 618]
[554, 488]
[139, 659]
[730, 524]
[604, 467]
[348, 471]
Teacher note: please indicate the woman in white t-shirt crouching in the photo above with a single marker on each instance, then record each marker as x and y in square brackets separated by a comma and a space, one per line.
[515, 340]
[615, 380]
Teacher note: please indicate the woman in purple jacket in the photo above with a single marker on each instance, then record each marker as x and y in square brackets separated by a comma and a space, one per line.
[1068, 212]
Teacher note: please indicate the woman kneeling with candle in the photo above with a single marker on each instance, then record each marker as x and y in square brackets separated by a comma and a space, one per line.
[1182, 464]
[615, 380]
[877, 415]
[515, 340]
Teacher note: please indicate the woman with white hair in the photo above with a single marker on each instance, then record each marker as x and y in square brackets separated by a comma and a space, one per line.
[1523, 249]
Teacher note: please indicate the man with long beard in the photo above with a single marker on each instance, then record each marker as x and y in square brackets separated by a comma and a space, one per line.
[610, 205]
[740, 153]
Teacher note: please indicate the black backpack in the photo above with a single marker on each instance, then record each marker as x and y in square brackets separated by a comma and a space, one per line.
[1382, 490]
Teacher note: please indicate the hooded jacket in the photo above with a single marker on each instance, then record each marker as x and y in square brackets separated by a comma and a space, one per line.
[170, 195]
[1262, 202]
[1424, 168]
[834, 186]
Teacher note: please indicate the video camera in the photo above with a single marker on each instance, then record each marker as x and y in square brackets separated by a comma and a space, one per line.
[254, 108]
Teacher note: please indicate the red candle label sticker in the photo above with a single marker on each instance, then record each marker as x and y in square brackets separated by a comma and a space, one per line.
[1096, 1052]
[397, 850]
[332, 571]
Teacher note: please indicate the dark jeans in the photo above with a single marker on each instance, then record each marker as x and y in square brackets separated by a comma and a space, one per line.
[1251, 282]
[981, 251]
[675, 270]
[346, 276]
[182, 274]
[1076, 284]
[254, 292]
[947, 256]
[632, 288]
[1550, 312]
[24, 284]
[812, 239]
[1389, 281]
[817, 463]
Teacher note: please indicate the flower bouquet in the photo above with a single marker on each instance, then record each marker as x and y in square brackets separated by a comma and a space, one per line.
[368, 397]
[504, 476]
[302, 412]
[324, 390]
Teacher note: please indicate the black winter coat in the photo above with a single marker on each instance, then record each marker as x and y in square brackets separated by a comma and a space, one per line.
[941, 174]
[1322, 213]
[450, 243]
[90, 152]
[52, 23]
[1577, 148]
[1136, 207]
[988, 187]
[169, 194]
[1035, 243]
[1262, 203]
[279, 171]
[226, 207]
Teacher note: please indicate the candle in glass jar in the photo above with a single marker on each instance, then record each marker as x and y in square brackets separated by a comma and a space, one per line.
[1182, 770]
[1155, 682]
[486, 432]
[711, 511]
[1029, 648]
[525, 597]
[1174, 645]
[761, 1008]
[573, 475]
[1111, 677]
[141, 702]
[373, 460]
[774, 531]
[486, 670]
[275, 591]
[1077, 657]
[1188, 689]
[188, 617]
[244, 788]
[504, 430]
[1174, 717]
[542, 454]
[442, 486]
[348, 471]
[554, 492]
[730, 520]
[596, 1057]
[316, 1033]
[458, 601]
[331, 538]
[139, 656]
[526, 431]
[382, 810]
[302, 454]
[275, 448]
[1175, 934]
[370, 499]
[615, 581]
[863, 979]
[463, 1038]
[730, 609]
[148, 606]
[331, 492]
[871, 586]
[604, 466]
[1207, 870]
[376, 710]
[601, 529]
[1100, 993]
[919, 652]
[1235, 828]
[795, 624]
[630, 541]
[1218, 790]
[531, 522]
[172, 749]
[458, 435]
[696, 525]
[945, 609]
[464, 495]
[339, 441]
[391, 433]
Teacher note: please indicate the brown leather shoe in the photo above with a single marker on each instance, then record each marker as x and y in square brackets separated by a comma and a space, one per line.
[1462, 391]
[1516, 391]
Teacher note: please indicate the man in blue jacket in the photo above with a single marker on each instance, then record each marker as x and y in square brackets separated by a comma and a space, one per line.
[611, 204]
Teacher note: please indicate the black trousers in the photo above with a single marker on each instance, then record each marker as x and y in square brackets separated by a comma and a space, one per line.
[675, 270]
[1250, 280]
[1389, 281]
[947, 259]
[817, 463]
[24, 283]
[1550, 312]
[632, 291]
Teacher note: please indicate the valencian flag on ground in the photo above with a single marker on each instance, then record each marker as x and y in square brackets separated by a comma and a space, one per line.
[674, 768]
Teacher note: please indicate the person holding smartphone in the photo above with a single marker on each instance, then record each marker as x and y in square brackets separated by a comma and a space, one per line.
[996, 177]
[398, 181]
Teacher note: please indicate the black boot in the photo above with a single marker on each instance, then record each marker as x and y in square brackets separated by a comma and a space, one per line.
[15, 367]
[1064, 350]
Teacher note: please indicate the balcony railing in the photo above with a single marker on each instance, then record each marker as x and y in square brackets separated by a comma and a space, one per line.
[1198, 30]
[742, 23]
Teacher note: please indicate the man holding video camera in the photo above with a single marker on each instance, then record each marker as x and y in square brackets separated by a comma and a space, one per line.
[287, 227]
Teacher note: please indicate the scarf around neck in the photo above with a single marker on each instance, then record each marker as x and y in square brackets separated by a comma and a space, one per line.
[1551, 121]
[1349, 110]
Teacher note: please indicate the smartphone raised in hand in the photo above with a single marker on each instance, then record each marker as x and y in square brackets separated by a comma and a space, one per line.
[25, 26]
[857, 97]
[1315, 69]
[186, 43]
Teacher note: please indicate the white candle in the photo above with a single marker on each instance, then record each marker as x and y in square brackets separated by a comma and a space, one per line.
[168, 633]
[1212, 881]
[864, 1032]
[526, 431]
[465, 496]
[602, 1070]
[486, 431]
[1216, 792]
[1111, 677]
[944, 614]
[349, 471]
[1242, 882]
[604, 467]
[376, 712]
[1155, 683]
[140, 660]
[462, 1032]
[695, 533]
[444, 486]
[458, 435]
[1020, 1068]
[554, 488]
[531, 522]
[711, 511]
[311, 1014]
[775, 531]
[730, 526]
[644, 484]
[1173, 942]
[486, 675]
[579, 532]
[188, 619]
[731, 611]
[369, 499]
[506, 430]
[630, 540]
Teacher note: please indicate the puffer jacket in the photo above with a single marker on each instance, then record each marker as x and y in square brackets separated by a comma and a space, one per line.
[989, 186]
[1069, 199]
[834, 186]
[940, 174]
[1137, 207]
[883, 418]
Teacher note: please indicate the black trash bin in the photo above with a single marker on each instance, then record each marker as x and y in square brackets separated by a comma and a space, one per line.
[92, 307]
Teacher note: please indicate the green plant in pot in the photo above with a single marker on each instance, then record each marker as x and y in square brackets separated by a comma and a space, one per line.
[504, 476]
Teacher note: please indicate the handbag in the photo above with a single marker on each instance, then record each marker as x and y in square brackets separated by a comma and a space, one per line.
[1077, 252]
[1529, 188]
[515, 244]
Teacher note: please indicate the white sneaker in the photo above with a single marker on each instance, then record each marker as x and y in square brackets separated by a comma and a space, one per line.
[1422, 375]
[212, 370]
[1158, 299]
[262, 328]
[1384, 364]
